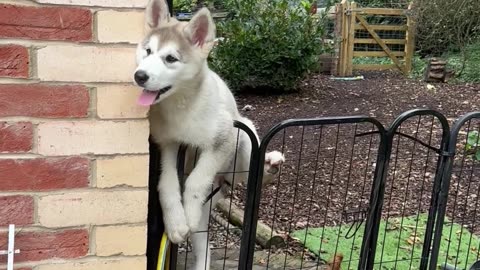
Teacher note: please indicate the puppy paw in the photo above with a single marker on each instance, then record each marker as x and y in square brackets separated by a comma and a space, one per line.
[193, 213]
[176, 226]
[179, 234]
[273, 161]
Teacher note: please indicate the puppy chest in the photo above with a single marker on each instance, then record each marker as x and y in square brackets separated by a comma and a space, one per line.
[183, 131]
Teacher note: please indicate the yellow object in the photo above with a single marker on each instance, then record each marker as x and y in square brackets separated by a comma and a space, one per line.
[164, 253]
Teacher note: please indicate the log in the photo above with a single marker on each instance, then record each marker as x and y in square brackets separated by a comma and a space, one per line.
[436, 71]
[265, 236]
[437, 67]
[436, 75]
[438, 63]
[225, 224]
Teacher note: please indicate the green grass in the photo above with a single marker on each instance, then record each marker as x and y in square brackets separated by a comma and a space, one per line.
[471, 73]
[397, 235]
[372, 60]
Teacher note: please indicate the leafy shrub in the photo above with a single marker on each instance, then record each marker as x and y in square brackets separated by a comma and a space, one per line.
[192, 5]
[269, 44]
[419, 66]
[184, 5]
[466, 64]
[446, 25]
[473, 144]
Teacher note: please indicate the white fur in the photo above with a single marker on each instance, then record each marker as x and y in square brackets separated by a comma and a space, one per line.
[199, 111]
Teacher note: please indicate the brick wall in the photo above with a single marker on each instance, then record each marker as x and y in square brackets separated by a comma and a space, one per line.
[73, 143]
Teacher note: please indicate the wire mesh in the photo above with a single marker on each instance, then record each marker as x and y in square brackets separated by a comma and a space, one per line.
[383, 3]
[319, 201]
[216, 245]
[460, 241]
[350, 188]
[406, 226]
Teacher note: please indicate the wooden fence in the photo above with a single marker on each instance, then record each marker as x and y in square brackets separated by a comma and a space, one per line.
[374, 32]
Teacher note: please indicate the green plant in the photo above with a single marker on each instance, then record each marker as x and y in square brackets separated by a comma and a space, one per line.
[269, 44]
[184, 5]
[191, 5]
[418, 67]
[467, 70]
[473, 144]
[446, 25]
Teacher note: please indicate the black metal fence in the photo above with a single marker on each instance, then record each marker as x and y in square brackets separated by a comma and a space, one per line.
[402, 197]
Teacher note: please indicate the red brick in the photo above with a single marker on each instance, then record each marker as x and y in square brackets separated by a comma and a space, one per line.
[16, 137]
[43, 173]
[40, 100]
[13, 61]
[16, 210]
[37, 246]
[51, 23]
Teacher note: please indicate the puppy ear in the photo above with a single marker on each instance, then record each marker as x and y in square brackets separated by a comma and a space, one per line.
[157, 13]
[201, 28]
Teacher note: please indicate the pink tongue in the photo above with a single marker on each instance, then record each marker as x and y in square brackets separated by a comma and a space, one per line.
[147, 98]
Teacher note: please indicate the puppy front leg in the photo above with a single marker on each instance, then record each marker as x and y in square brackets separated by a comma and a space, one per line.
[199, 184]
[170, 196]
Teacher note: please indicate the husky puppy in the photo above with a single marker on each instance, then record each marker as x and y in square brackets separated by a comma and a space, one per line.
[190, 104]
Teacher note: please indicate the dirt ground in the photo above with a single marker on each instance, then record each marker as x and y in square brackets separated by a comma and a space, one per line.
[328, 174]
[381, 95]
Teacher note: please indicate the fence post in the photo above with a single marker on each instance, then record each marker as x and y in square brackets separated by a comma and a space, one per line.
[337, 40]
[252, 203]
[410, 40]
[369, 242]
[343, 36]
[351, 15]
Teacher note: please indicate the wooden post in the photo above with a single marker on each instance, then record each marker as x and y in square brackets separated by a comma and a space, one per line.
[338, 40]
[344, 36]
[352, 18]
[410, 41]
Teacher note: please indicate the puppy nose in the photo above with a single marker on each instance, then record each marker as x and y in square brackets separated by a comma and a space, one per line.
[141, 77]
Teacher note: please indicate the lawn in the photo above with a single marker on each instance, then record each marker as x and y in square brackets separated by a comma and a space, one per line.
[398, 241]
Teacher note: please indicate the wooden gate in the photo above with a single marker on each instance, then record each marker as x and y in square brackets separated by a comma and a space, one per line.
[373, 33]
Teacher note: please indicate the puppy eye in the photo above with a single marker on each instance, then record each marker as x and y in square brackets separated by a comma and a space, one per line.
[149, 51]
[171, 59]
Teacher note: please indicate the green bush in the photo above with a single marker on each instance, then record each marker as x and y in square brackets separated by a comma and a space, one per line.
[466, 64]
[184, 5]
[192, 5]
[446, 25]
[269, 44]
[473, 144]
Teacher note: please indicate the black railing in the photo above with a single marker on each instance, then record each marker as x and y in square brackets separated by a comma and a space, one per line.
[381, 196]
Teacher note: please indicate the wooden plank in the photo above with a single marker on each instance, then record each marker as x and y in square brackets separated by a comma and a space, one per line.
[381, 43]
[352, 19]
[344, 47]
[336, 70]
[410, 46]
[373, 41]
[382, 11]
[374, 67]
[376, 54]
[382, 27]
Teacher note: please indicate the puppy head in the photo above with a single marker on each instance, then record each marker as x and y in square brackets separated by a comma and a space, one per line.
[173, 53]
